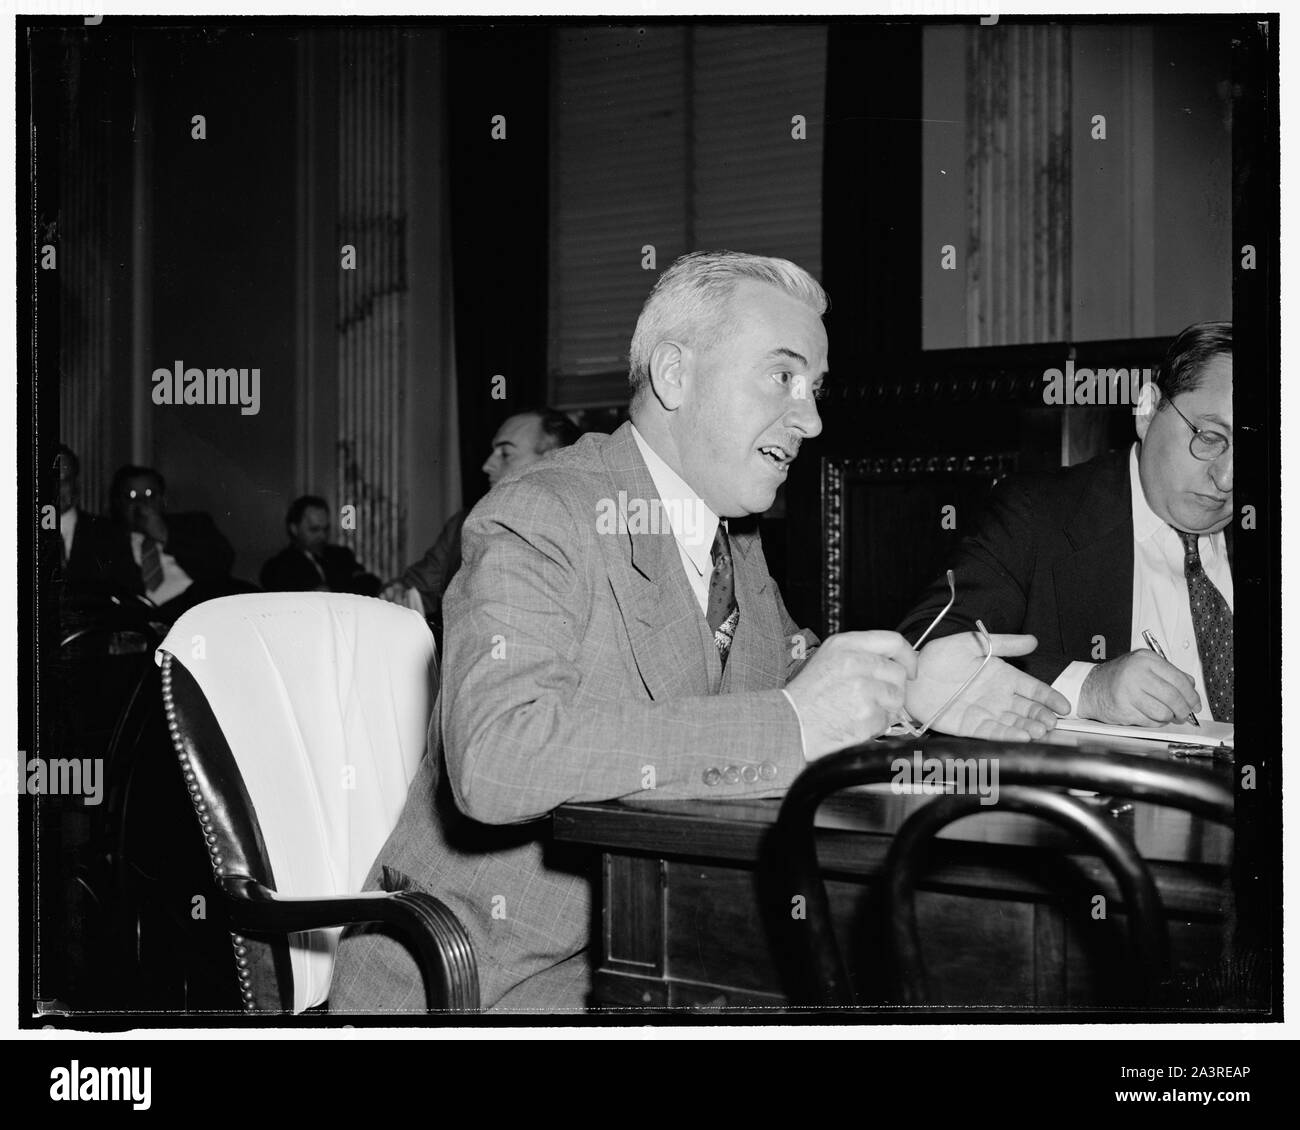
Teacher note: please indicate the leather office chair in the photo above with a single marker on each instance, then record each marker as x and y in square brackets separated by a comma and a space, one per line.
[299, 720]
[1030, 779]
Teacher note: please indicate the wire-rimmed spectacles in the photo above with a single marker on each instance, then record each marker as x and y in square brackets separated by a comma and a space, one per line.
[1204, 445]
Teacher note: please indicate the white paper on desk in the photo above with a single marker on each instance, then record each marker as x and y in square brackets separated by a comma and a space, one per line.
[1207, 733]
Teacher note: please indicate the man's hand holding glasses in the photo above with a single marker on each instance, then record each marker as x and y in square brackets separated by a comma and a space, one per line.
[962, 687]
[858, 684]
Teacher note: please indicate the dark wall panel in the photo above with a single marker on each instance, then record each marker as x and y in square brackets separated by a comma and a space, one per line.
[223, 289]
[499, 223]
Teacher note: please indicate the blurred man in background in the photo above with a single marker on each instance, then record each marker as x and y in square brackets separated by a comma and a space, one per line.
[519, 442]
[80, 533]
[175, 560]
[309, 563]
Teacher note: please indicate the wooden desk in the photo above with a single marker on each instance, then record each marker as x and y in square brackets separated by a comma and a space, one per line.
[1006, 910]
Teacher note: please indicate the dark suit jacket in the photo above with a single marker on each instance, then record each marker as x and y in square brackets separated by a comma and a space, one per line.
[290, 571]
[1053, 556]
[578, 667]
[88, 563]
[78, 582]
[192, 538]
[433, 572]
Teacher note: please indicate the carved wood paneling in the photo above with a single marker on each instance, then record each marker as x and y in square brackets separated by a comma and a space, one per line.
[943, 471]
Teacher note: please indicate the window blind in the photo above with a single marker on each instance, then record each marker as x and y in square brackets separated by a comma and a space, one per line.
[676, 138]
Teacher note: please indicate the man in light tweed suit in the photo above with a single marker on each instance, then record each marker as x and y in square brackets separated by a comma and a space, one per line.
[609, 636]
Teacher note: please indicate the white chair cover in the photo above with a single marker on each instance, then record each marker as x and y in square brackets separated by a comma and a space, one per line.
[325, 700]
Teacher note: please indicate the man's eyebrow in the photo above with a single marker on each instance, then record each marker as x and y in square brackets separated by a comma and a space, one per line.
[1215, 418]
[782, 351]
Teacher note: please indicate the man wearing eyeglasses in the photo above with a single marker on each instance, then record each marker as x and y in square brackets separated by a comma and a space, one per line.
[1090, 558]
[176, 560]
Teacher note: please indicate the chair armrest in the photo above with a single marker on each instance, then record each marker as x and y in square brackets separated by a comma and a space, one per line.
[439, 940]
[118, 613]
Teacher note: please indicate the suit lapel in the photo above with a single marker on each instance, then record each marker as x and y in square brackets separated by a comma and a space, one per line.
[82, 542]
[1094, 584]
[755, 662]
[124, 568]
[664, 626]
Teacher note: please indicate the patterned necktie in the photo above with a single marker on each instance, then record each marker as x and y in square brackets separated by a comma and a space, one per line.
[1212, 622]
[151, 569]
[723, 614]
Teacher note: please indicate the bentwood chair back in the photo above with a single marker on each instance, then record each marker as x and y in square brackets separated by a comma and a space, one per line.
[299, 720]
[1033, 780]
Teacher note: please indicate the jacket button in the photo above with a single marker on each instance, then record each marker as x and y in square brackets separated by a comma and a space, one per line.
[731, 775]
[712, 776]
[767, 771]
[749, 774]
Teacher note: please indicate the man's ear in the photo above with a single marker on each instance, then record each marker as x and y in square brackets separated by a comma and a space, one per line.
[669, 367]
[1148, 402]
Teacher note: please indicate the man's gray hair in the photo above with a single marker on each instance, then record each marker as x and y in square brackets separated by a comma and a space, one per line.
[690, 301]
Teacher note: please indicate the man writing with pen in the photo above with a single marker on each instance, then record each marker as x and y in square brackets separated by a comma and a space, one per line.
[1121, 566]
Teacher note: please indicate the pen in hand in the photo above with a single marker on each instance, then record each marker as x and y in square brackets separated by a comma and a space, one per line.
[1154, 645]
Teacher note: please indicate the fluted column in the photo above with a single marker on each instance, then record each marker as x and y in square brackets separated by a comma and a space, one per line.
[1018, 185]
[372, 297]
[85, 281]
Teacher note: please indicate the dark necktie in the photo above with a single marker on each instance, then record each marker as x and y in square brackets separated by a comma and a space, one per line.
[1212, 622]
[723, 614]
[151, 569]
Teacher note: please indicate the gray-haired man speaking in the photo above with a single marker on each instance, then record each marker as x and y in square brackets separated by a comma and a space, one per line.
[608, 635]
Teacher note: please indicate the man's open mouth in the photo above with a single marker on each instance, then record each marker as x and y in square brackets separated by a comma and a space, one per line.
[777, 456]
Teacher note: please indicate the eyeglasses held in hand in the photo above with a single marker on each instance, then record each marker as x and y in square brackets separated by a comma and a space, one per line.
[907, 723]
[952, 599]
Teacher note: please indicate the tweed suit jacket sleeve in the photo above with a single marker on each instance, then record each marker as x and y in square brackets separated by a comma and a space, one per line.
[568, 677]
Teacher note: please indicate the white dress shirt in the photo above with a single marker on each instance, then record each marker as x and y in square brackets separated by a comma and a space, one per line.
[693, 524]
[695, 539]
[68, 529]
[1160, 600]
[175, 580]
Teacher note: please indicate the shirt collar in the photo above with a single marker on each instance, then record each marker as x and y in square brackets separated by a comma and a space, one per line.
[699, 523]
[1146, 522]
